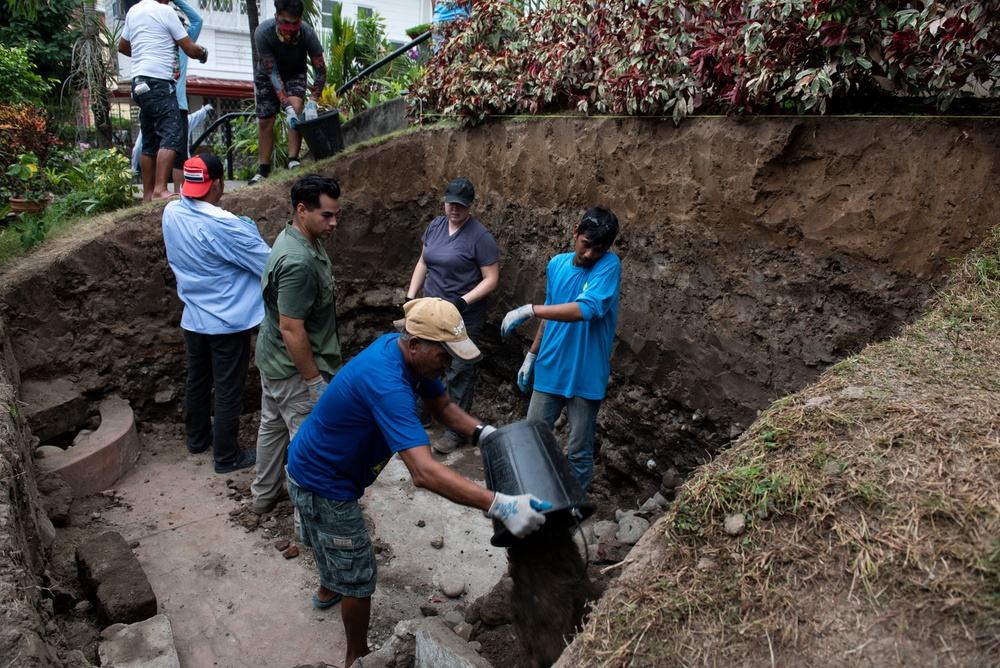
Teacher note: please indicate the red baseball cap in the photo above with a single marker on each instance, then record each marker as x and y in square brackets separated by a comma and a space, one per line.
[199, 172]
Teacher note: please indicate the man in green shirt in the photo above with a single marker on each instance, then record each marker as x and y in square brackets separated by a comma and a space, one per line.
[298, 349]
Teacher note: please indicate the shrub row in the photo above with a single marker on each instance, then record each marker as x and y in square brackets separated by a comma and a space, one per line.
[675, 57]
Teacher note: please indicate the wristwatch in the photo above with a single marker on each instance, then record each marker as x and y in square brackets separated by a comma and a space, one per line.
[476, 433]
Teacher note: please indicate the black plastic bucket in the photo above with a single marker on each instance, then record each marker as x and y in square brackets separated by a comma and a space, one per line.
[524, 458]
[323, 134]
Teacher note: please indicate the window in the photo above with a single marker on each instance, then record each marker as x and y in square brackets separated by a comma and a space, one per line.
[328, 7]
[365, 12]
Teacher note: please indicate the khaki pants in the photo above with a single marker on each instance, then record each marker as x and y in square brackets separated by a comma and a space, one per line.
[284, 406]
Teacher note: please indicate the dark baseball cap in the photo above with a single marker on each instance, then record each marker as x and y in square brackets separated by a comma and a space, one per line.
[460, 191]
[199, 172]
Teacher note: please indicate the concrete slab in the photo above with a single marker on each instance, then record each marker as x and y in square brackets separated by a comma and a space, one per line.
[114, 580]
[146, 644]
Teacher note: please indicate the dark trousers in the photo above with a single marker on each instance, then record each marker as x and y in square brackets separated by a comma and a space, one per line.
[222, 360]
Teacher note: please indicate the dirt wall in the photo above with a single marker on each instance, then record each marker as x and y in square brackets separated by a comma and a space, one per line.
[754, 253]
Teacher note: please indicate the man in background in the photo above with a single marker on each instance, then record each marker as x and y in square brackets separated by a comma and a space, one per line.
[285, 47]
[150, 37]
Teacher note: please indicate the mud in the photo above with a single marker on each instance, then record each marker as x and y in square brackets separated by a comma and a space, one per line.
[550, 595]
[755, 253]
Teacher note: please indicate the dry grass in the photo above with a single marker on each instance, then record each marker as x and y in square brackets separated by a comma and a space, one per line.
[872, 502]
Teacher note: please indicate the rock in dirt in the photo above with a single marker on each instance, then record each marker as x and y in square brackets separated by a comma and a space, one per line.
[604, 528]
[735, 524]
[149, 643]
[494, 607]
[453, 588]
[57, 497]
[464, 631]
[281, 545]
[291, 552]
[111, 574]
[429, 611]
[438, 542]
[631, 529]
[609, 549]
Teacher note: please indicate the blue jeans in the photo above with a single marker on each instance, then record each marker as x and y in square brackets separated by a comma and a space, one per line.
[582, 416]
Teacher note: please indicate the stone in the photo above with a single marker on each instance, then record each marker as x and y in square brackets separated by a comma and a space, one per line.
[46, 531]
[853, 392]
[57, 497]
[421, 524]
[437, 542]
[428, 611]
[453, 617]
[631, 529]
[735, 429]
[670, 481]
[650, 506]
[82, 436]
[438, 646]
[43, 451]
[114, 579]
[281, 545]
[735, 524]
[464, 631]
[476, 646]
[817, 402]
[660, 499]
[605, 527]
[705, 564]
[146, 644]
[291, 552]
[609, 549]
[472, 612]
[494, 607]
[164, 396]
[453, 588]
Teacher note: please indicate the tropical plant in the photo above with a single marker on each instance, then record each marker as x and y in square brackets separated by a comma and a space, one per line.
[94, 69]
[18, 80]
[30, 180]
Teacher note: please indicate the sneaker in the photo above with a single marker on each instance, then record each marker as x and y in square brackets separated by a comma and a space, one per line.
[256, 179]
[294, 163]
[445, 445]
[245, 459]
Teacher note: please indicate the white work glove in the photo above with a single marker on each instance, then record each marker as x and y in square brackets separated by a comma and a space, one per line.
[316, 388]
[524, 375]
[309, 113]
[515, 318]
[291, 116]
[519, 513]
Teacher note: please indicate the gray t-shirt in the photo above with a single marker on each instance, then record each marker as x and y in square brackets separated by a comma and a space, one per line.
[290, 59]
[453, 262]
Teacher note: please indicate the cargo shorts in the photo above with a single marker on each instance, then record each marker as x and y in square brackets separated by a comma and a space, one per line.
[159, 115]
[336, 532]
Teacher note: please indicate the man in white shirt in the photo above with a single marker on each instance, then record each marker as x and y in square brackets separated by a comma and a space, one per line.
[150, 38]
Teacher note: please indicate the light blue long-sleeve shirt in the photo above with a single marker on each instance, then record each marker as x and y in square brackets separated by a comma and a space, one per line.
[217, 258]
[194, 31]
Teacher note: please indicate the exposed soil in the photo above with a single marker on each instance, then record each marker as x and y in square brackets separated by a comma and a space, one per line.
[755, 253]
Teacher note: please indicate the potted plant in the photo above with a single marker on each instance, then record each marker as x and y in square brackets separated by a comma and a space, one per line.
[31, 193]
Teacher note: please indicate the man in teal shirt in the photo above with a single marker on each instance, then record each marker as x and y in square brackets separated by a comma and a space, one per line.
[298, 349]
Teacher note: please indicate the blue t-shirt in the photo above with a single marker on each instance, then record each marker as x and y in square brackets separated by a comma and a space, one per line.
[454, 260]
[575, 357]
[366, 414]
[446, 10]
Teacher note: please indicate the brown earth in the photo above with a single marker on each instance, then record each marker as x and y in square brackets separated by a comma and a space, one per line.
[755, 253]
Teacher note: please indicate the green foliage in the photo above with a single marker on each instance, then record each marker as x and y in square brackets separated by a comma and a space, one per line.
[31, 230]
[49, 35]
[352, 47]
[18, 81]
[97, 180]
[32, 182]
[245, 146]
[673, 57]
[25, 129]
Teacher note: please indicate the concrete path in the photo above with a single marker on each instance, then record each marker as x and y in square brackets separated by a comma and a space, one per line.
[233, 600]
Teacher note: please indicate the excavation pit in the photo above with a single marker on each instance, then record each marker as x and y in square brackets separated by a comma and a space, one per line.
[754, 253]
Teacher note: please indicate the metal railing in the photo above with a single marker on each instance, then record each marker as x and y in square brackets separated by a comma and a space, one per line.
[227, 121]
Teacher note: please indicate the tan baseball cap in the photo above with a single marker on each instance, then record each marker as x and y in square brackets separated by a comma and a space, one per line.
[434, 319]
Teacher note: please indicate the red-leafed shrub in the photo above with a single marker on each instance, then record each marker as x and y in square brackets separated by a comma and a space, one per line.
[24, 129]
[672, 57]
